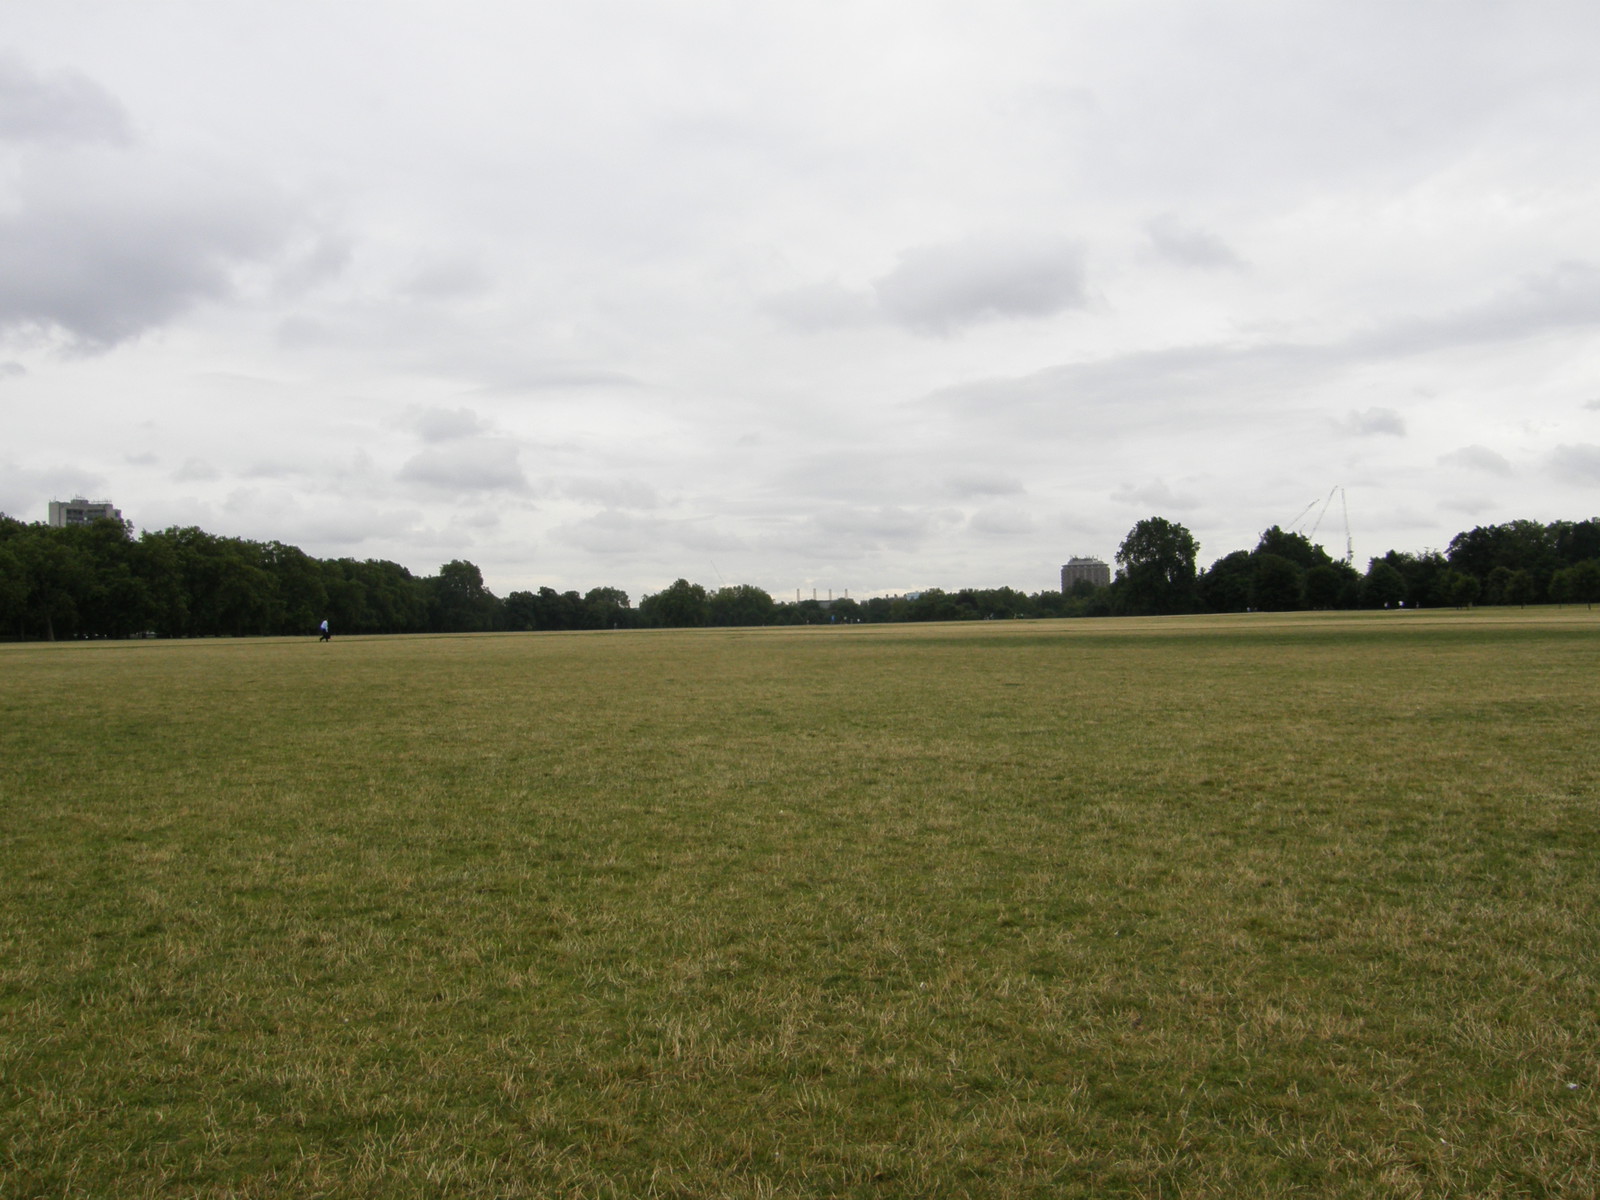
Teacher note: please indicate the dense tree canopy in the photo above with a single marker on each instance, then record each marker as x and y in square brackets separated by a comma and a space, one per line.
[99, 580]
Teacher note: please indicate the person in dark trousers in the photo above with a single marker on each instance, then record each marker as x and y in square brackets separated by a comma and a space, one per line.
[326, 636]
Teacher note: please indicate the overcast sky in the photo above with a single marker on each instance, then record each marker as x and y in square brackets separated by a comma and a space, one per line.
[853, 295]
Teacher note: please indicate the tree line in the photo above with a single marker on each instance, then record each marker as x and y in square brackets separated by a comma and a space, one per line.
[1517, 563]
[99, 580]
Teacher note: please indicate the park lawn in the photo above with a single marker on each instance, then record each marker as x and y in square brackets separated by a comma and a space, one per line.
[1238, 906]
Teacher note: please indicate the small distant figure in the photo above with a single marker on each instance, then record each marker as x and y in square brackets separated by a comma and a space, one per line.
[326, 636]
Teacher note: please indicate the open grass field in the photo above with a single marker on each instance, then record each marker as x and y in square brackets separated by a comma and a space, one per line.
[1246, 906]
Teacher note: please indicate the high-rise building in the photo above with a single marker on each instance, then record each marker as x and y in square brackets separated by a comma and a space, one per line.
[79, 511]
[1086, 570]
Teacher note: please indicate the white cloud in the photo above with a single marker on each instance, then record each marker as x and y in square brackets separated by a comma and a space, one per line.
[1007, 521]
[1375, 421]
[822, 306]
[666, 308]
[1155, 495]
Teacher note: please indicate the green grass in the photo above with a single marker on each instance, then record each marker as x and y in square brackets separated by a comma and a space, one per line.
[1247, 906]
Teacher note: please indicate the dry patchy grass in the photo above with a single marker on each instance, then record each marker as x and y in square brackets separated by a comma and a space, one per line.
[1243, 906]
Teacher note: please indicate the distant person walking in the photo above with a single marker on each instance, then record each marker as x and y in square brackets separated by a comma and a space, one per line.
[326, 636]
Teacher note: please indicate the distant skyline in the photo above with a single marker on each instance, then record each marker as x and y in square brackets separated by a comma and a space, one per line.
[868, 296]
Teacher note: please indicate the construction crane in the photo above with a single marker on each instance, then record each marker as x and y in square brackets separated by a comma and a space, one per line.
[1349, 544]
[1300, 516]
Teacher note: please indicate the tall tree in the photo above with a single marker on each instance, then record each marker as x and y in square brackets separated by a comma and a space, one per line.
[741, 604]
[1576, 541]
[300, 586]
[1384, 586]
[606, 608]
[1158, 572]
[1276, 584]
[1580, 583]
[459, 603]
[13, 592]
[680, 605]
[1325, 586]
[1461, 589]
[1423, 574]
[1296, 547]
[1226, 586]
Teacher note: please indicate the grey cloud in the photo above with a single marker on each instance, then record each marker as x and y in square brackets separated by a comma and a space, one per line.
[1226, 386]
[611, 532]
[708, 534]
[1580, 463]
[467, 465]
[848, 531]
[321, 257]
[196, 470]
[339, 525]
[612, 493]
[1477, 458]
[983, 484]
[476, 519]
[25, 491]
[1468, 505]
[1567, 296]
[305, 333]
[1093, 396]
[62, 106]
[1081, 392]
[447, 280]
[549, 377]
[271, 470]
[12, 370]
[104, 255]
[444, 425]
[330, 520]
[942, 289]
[1593, 405]
[860, 477]
[1189, 246]
[1375, 421]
